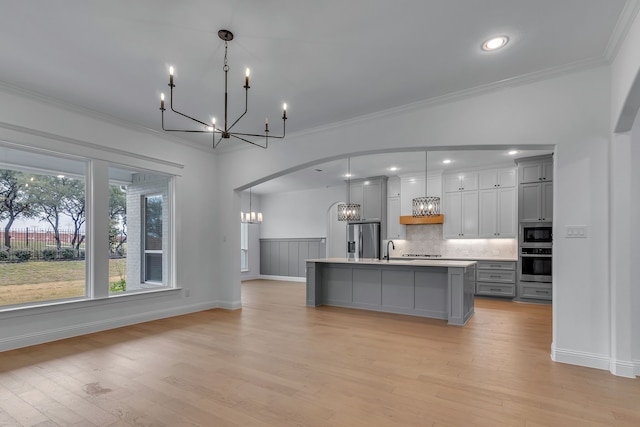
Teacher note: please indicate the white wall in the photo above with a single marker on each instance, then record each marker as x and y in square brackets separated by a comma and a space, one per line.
[570, 111]
[624, 298]
[299, 214]
[30, 121]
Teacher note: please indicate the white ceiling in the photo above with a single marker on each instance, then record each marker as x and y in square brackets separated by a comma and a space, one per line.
[330, 60]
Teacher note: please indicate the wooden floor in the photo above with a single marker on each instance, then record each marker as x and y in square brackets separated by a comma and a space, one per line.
[279, 363]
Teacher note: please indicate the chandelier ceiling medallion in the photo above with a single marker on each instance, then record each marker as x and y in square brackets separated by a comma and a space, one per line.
[210, 127]
[427, 205]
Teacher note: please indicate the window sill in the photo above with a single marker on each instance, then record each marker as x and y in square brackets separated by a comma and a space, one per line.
[81, 303]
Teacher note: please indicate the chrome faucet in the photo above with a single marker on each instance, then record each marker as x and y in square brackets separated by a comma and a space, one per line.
[392, 247]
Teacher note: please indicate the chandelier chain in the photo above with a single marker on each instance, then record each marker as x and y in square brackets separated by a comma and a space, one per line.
[226, 65]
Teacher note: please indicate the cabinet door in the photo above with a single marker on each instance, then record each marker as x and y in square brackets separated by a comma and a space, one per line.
[506, 224]
[469, 214]
[372, 204]
[395, 230]
[410, 189]
[530, 173]
[547, 171]
[469, 182]
[487, 179]
[488, 203]
[452, 215]
[530, 202]
[452, 183]
[547, 201]
[506, 178]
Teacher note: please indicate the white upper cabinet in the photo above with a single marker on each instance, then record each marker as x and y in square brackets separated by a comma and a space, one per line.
[536, 171]
[497, 178]
[460, 182]
[412, 187]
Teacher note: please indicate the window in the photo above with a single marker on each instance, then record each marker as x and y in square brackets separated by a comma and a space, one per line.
[140, 223]
[244, 246]
[153, 238]
[42, 228]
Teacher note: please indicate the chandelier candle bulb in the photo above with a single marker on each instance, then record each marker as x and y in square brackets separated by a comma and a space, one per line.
[284, 111]
[162, 101]
[170, 76]
[246, 78]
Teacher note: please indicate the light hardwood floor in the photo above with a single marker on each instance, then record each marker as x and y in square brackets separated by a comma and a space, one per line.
[279, 363]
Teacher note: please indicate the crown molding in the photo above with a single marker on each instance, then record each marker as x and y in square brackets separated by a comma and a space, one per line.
[93, 114]
[620, 31]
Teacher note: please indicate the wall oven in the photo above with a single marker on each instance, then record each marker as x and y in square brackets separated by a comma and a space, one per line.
[535, 264]
[536, 241]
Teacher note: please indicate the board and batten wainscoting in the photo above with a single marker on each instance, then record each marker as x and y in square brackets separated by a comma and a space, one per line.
[287, 257]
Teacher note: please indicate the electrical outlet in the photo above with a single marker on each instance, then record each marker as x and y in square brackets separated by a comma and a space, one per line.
[576, 231]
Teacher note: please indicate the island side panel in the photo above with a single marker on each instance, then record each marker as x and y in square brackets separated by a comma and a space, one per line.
[314, 284]
[460, 298]
[431, 291]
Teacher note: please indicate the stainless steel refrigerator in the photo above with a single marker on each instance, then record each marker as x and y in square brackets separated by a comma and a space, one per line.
[363, 240]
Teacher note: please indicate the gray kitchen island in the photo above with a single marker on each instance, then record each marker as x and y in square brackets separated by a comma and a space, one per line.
[440, 289]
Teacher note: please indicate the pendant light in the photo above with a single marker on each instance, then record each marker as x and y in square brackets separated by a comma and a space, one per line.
[251, 217]
[348, 211]
[426, 206]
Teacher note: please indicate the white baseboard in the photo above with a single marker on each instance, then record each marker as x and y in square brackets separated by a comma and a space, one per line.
[229, 305]
[49, 335]
[596, 361]
[284, 278]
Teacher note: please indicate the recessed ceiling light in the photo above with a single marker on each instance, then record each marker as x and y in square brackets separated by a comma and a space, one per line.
[446, 161]
[393, 168]
[347, 175]
[495, 43]
[513, 152]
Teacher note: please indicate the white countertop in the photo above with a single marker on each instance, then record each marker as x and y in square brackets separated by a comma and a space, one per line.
[407, 262]
[470, 258]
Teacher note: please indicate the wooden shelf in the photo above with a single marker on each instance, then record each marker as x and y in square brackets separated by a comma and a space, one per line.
[408, 220]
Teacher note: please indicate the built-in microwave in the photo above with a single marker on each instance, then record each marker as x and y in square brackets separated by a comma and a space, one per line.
[536, 234]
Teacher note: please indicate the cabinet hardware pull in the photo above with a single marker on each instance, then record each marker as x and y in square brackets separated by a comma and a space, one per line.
[495, 277]
[541, 292]
[495, 290]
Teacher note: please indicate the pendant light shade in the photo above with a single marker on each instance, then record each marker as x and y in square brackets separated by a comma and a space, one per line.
[349, 211]
[427, 205]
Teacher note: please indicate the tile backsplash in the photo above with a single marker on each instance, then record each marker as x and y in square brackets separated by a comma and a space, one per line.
[427, 239]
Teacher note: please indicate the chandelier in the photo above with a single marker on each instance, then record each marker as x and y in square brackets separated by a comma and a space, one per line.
[349, 211]
[210, 127]
[425, 206]
[251, 217]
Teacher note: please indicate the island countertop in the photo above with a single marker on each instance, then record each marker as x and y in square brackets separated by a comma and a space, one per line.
[408, 262]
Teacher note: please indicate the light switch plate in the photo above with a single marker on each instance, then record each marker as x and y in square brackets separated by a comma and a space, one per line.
[576, 231]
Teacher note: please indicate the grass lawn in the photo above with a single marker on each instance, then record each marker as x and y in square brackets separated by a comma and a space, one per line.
[34, 281]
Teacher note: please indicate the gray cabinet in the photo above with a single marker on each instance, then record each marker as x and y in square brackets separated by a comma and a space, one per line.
[371, 195]
[535, 290]
[498, 213]
[536, 202]
[496, 278]
[535, 198]
[287, 257]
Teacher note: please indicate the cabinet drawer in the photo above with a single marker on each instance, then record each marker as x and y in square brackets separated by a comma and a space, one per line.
[496, 276]
[496, 265]
[496, 289]
[536, 291]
